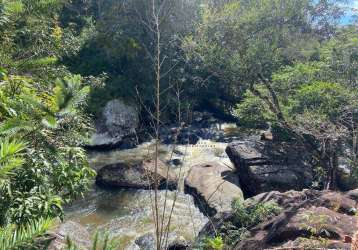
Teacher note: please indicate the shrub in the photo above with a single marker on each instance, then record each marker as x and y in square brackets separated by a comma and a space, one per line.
[251, 112]
[245, 217]
[215, 243]
[249, 216]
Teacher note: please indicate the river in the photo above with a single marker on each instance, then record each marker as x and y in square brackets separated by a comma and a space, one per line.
[127, 215]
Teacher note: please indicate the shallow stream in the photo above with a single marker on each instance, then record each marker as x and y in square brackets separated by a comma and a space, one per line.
[127, 214]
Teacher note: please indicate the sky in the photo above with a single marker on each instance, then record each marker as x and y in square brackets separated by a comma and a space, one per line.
[348, 18]
[355, 4]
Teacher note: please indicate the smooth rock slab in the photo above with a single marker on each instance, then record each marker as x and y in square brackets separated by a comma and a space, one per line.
[139, 176]
[214, 187]
[267, 166]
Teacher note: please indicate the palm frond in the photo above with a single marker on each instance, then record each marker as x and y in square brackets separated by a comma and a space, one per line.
[14, 125]
[23, 237]
[36, 103]
[69, 94]
[10, 156]
[100, 242]
[50, 122]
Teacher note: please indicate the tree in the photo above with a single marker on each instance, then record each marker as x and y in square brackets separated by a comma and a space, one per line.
[121, 46]
[54, 167]
[244, 45]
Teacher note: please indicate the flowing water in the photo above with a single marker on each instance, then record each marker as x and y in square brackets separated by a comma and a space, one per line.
[127, 214]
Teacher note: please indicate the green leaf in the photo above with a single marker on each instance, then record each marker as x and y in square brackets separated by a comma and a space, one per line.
[50, 122]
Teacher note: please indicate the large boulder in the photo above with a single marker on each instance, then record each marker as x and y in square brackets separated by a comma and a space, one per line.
[116, 126]
[76, 232]
[266, 166]
[339, 202]
[140, 175]
[214, 187]
[309, 219]
[315, 227]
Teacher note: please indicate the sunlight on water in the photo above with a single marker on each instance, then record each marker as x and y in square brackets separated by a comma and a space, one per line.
[127, 214]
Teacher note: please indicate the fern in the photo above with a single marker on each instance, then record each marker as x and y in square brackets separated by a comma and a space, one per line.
[10, 156]
[24, 236]
[14, 7]
[40, 62]
[12, 126]
[69, 94]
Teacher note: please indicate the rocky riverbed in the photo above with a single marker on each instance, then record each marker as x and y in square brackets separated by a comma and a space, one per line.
[126, 213]
[211, 164]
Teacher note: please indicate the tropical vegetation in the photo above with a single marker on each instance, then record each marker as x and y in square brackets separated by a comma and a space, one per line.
[289, 63]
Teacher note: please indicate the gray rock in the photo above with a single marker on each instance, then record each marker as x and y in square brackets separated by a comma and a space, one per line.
[141, 175]
[266, 166]
[76, 232]
[179, 244]
[117, 125]
[346, 180]
[353, 194]
[214, 187]
[175, 162]
[146, 242]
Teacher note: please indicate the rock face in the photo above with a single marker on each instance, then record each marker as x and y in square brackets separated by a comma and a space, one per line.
[77, 233]
[309, 219]
[141, 175]
[214, 187]
[266, 166]
[117, 126]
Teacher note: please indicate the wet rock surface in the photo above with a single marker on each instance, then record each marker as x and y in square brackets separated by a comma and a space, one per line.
[146, 242]
[116, 128]
[214, 187]
[76, 232]
[203, 126]
[266, 166]
[179, 245]
[139, 176]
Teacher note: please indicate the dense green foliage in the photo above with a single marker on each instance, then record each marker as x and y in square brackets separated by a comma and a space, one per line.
[245, 217]
[215, 243]
[42, 119]
[296, 67]
[100, 242]
[14, 237]
[49, 167]
[236, 227]
[288, 63]
[122, 46]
